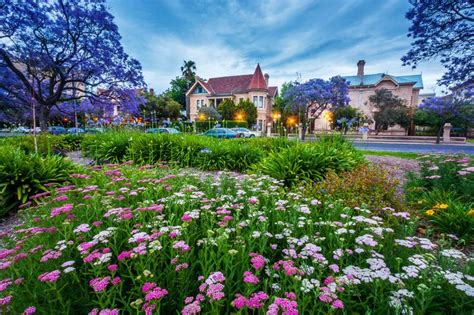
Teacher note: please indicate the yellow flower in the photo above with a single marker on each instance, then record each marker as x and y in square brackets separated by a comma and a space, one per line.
[470, 212]
[430, 212]
[441, 206]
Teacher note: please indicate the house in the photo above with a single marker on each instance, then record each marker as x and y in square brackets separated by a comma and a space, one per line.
[362, 86]
[253, 87]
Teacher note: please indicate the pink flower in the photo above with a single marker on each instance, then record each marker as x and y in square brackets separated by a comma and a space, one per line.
[5, 283]
[49, 276]
[328, 280]
[192, 308]
[99, 284]
[334, 267]
[29, 310]
[250, 278]
[156, 294]
[116, 281]
[106, 311]
[239, 302]
[6, 300]
[148, 286]
[63, 209]
[112, 267]
[257, 261]
[337, 304]
[123, 255]
[186, 217]
[253, 200]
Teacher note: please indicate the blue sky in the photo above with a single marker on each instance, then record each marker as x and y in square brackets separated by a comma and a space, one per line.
[289, 38]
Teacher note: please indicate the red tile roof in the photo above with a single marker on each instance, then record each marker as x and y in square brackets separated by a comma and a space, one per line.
[230, 85]
[238, 84]
[258, 81]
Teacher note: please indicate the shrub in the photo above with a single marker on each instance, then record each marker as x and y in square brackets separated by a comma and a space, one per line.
[449, 173]
[447, 214]
[24, 174]
[309, 162]
[366, 184]
[109, 147]
[47, 143]
[443, 193]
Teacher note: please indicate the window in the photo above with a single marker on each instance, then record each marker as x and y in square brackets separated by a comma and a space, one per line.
[199, 90]
[260, 102]
[255, 100]
[198, 104]
[260, 125]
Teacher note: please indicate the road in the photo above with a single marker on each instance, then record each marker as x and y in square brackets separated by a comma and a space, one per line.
[417, 147]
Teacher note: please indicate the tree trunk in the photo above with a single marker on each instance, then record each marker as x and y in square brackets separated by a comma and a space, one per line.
[43, 113]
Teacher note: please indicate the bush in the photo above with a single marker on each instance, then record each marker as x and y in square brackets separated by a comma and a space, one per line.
[310, 162]
[366, 184]
[443, 193]
[47, 143]
[24, 174]
[449, 173]
[183, 150]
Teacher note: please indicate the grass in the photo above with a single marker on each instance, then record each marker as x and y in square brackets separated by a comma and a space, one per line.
[470, 140]
[403, 155]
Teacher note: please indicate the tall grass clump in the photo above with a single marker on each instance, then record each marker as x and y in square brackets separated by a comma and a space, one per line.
[310, 161]
[24, 174]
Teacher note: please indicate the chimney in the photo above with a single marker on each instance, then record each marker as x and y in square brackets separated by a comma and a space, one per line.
[267, 77]
[360, 68]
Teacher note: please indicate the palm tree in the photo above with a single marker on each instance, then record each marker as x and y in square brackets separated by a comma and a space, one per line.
[189, 70]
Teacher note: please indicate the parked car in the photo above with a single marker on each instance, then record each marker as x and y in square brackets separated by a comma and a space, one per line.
[21, 129]
[221, 133]
[94, 130]
[163, 130]
[247, 133]
[75, 131]
[57, 130]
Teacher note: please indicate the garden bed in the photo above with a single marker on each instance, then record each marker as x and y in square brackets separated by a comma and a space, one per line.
[124, 238]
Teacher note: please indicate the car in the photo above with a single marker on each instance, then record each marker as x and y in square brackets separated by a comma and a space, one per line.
[173, 131]
[247, 133]
[94, 130]
[75, 131]
[57, 130]
[21, 129]
[221, 133]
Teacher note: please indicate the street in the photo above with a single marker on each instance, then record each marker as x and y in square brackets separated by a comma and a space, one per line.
[417, 147]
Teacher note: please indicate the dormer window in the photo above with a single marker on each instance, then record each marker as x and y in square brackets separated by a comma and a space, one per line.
[199, 90]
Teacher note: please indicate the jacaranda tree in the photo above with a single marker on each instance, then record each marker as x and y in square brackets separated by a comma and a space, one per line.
[454, 109]
[59, 51]
[309, 100]
[443, 29]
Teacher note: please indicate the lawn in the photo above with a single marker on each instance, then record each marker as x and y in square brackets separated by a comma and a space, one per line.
[403, 155]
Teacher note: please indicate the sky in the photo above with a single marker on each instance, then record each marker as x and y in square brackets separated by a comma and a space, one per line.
[291, 39]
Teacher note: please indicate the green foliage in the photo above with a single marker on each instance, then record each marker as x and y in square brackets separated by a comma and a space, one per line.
[443, 193]
[310, 162]
[249, 110]
[47, 143]
[108, 147]
[202, 126]
[209, 113]
[227, 109]
[158, 107]
[24, 174]
[346, 117]
[177, 90]
[391, 109]
[366, 184]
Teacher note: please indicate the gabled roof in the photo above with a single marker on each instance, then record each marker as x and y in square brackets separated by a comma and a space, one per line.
[236, 84]
[230, 85]
[374, 79]
[258, 81]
